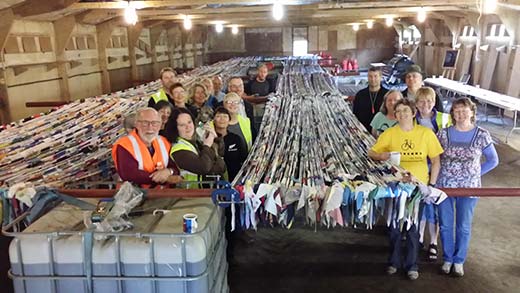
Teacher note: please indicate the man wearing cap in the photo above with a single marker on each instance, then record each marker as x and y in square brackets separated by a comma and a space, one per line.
[163, 94]
[369, 100]
[142, 157]
[414, 81]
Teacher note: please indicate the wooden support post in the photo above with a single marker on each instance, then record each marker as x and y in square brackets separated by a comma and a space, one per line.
[63, 29]
[184, 36]
[6, 23]
[429, 38]
[172, 37]
[170, 42]
[5, 114]
[155, 33]
[104, 33]
[133, 36]
[204, 41]
[454, 24]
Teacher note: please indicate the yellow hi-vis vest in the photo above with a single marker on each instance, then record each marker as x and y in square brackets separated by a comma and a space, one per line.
[160, 95]
[184, 145]
[443, 120]
[245, 127]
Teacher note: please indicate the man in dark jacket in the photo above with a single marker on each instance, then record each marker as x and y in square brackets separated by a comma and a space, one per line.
[369, 100]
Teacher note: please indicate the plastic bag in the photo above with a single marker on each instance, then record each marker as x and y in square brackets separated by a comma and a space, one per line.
[125, 200]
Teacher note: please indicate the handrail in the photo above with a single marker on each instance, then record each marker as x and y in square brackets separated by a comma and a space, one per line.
[178, 192]
[256, 100]
[45, 104]
[483, 192]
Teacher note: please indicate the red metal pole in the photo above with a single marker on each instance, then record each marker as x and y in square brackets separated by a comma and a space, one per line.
[45, 104]
[483, 192]
[150, 193]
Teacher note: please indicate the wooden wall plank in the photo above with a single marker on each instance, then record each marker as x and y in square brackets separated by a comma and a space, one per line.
[29, 45]
[466, 55]
[499, 82]
[332, 40]
[11, 45]
[81, 43]
[513, 88]
[489, 68]
[45, 44]
[91, 42]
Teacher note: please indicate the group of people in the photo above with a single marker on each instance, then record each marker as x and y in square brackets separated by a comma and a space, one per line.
[172, 141]
[185, 139]
[438, 150]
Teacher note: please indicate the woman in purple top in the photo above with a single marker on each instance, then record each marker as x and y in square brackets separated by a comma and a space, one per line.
[464, 144]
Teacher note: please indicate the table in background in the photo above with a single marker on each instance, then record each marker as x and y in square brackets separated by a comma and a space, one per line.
[486, 97]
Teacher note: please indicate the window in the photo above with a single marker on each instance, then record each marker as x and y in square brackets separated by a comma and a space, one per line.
[468, 31]
[300, 48]
[410, 35]
[497, 32]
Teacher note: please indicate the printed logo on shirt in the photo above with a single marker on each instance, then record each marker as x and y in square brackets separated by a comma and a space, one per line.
[409, 155]
[232, 147]
[408, 145]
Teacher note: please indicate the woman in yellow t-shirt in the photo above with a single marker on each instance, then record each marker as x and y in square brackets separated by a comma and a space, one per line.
[415, 143]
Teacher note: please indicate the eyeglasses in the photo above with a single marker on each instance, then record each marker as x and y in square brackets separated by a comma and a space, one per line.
[233, 102]
[462, 111]
[148, 123]
[404, 110]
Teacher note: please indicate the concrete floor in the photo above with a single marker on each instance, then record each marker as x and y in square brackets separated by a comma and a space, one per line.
[347, 260]
[342, 260]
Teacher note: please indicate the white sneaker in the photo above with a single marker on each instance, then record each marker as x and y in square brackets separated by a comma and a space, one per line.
[458, 270]
[390, 270]
[413, 275]
[446, 267]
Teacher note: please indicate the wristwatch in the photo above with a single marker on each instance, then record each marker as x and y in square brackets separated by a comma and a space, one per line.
[431, 184]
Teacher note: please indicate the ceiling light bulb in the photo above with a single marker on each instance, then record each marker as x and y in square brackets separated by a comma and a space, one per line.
[234, 29]
[277, 10]
[187, 23]
[389, 21]
[130, 14]
[219, 27]
[355, 27]
[370, 24]
[489, 6]
[421, 15]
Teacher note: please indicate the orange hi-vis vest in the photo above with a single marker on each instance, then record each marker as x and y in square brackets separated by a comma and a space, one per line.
[135, 146]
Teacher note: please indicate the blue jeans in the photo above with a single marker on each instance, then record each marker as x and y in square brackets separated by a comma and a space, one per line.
[412, 248]
[455, 247]
[429, 213]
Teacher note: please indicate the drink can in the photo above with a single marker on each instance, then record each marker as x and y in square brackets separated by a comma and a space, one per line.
[189, 223]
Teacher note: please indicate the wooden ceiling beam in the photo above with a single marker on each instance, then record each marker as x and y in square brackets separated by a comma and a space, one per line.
[395, 4]
[262, 22]
[153, 23]
[154, 4]
[240, 9]
[358, 13]
[96, 16]
[37, 7]
[177, 3]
